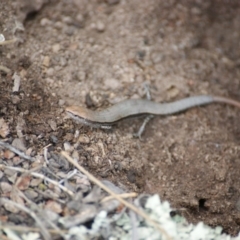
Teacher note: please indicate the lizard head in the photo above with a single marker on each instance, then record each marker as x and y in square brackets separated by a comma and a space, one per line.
[79, 112]
[85, 116]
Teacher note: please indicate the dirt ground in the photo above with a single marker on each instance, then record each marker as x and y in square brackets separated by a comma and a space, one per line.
[97, 53]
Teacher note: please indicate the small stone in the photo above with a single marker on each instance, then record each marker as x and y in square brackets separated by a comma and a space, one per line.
[53, 139]
[50, 72]
[61, 102]
[5, 187]
[56, 48]
[9, 172]
[67, 19]
[91, 40]
[69, 137]
[67, 147]
[35, 182]
[59, 25]
[83, 139]
[4, 130]
[31, 194]
[80, 20]
[112, 83]
[12, 179]
[17, 160]
[19, 144]
[29, 151]
[63, 61]
[172, 92]
[69, 30]
[15, 99]
[8, 154]
[80, 17]
[53, 206]
[45, 22]
[52, 124]
[2, 38]
[157, 57]
[25, 165]
[52, 216]
[76, 134]
[81, 75]
[46, 61]
[100, 26]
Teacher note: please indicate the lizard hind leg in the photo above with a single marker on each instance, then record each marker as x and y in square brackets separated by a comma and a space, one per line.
[148, 118]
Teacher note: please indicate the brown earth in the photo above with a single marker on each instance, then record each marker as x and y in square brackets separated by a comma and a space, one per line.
[97, 53]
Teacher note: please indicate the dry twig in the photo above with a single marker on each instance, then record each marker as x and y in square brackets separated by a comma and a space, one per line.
[8, 41]
[122, 195]
[19, 153]
[30, 229]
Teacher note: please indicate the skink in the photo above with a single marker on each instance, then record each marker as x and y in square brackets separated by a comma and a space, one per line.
[136, 107]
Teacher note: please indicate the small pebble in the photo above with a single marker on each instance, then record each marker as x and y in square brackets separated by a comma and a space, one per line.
[61, 102]
[112, 83]
[46, 61]
[81, 75]
[52, 216]
[4, 129]
[67, 19]
[9, 172]
[52, 124]
[59, 25]
[83, 139]
[50, 72]
[45, 22]
[8, 154]
[19, 144]
[53, 139]
[53, 206]
[69, 30]
[29, 151]
[100, 26]
[67, 147]
[15, 99]
[157, 57]
[56, 48]
[80, 20]
[69, 137]
[35, 182]
[2, 38]
[76, 134]
[31, 194]
[17, 160]
[63, 61]
[12, 179]
[5, 187]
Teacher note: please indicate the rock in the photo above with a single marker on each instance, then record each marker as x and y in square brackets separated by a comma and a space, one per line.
[19, 144]
[100, 26]
[83, 139]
